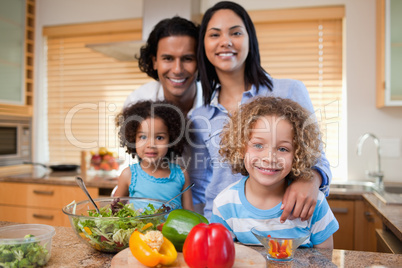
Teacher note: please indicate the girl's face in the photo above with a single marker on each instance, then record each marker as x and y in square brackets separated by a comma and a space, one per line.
[176, 64]
[269, 152]
[152, 139]
[226, 42]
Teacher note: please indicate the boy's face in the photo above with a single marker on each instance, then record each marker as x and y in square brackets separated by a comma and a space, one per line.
[176, 64]
[269, 152]
[152, 139]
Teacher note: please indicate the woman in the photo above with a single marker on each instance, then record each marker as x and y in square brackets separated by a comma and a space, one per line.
[231, 74]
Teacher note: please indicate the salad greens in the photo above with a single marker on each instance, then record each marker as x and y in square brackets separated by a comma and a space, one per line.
[30, 253]
[110, 230]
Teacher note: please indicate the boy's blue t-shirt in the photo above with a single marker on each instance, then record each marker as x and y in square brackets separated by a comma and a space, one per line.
[232, 209]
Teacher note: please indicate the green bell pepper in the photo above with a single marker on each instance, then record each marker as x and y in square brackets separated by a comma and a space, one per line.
[178, 224]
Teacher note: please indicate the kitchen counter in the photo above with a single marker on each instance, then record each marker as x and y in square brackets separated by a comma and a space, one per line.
[69, 251]
[43, 176]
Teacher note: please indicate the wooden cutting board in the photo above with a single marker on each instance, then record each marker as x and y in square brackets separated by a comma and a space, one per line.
[245, 257]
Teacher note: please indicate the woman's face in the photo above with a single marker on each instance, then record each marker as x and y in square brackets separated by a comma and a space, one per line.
[226, 42]
[176, 64]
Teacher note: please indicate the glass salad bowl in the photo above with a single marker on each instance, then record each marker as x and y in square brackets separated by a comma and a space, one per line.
[280, 243]
[119, 218]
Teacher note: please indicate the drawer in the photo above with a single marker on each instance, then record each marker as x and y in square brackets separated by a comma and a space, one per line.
[41, 195]
[17, 214]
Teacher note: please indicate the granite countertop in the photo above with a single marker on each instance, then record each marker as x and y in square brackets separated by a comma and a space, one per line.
[69, 251]
[44, 176]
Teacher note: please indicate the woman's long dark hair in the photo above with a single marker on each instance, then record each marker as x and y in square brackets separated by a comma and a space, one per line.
[175, 26]
[254, 74]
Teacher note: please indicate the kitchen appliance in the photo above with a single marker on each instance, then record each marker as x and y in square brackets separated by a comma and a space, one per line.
[15, 140]
[55, 168]
[153, 12]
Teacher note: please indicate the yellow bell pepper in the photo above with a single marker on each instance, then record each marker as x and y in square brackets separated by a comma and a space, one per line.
[87, 230]
[149, 257]
[146, 226]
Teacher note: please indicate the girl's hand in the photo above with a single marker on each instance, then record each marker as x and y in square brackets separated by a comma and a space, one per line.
[300, 198]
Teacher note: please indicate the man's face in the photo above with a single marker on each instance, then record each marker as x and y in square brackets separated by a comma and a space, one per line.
[176, 64]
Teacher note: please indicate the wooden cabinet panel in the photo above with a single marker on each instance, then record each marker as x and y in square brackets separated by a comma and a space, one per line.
[344, 212]
[41, 195]
[33, 215]
[39, 203]
[366, 223]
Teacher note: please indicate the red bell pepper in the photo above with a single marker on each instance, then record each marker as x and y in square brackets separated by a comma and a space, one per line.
[209, 246]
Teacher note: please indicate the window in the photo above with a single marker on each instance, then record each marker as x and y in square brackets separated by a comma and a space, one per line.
[87, 89]
[306, 44]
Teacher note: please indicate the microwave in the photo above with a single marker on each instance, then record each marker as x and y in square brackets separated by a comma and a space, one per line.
[15, 140]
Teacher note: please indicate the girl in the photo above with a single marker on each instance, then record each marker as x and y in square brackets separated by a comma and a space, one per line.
[231, 74]
[153, 131]
[272, 143]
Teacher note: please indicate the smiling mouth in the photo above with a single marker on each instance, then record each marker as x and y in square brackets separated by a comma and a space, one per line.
[226, 54]
[178, 81]
[267, 170]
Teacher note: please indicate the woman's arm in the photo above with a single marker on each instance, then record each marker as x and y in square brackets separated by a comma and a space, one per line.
[300, 198]
[187, 197]
[123, 183]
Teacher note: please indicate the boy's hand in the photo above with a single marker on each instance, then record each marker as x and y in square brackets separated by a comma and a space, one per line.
[300, 198]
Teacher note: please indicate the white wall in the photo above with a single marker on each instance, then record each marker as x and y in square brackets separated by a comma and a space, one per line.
[360, 67]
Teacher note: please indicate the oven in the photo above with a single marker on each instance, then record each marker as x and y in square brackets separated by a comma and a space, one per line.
[15, 140]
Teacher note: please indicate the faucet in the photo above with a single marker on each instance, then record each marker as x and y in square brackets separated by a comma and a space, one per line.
[379, 175]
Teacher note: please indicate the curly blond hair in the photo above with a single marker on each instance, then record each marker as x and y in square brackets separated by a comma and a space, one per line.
[306, 141]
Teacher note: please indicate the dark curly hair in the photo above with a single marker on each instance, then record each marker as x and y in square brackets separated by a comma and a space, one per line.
[132, 116]
[306, 141]
[175, 26]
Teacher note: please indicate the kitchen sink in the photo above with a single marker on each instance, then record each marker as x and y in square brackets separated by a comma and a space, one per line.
[391, 194]
[393, 189]
[352, 186]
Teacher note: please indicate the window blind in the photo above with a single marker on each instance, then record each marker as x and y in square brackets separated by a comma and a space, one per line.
[87, 89]
[310, 50]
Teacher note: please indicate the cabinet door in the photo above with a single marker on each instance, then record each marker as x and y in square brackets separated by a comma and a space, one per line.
[53, 217]
[344, 213]
[389, 53]
[366, 223]
[42, 195]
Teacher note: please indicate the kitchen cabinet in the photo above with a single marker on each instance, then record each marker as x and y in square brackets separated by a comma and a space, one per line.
[344, 211]
[357, 225]
[389, 53]
[17, 29]
[366, 223]
[38, 203]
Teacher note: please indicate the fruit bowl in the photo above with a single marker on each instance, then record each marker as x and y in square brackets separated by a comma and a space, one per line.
[25, 245]
[104, 160]
[120, 218]
[280, 243]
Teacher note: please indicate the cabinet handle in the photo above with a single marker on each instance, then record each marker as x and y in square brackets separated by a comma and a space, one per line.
[369, 216]
[45, 217]
[340, 210]
[43, 192]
